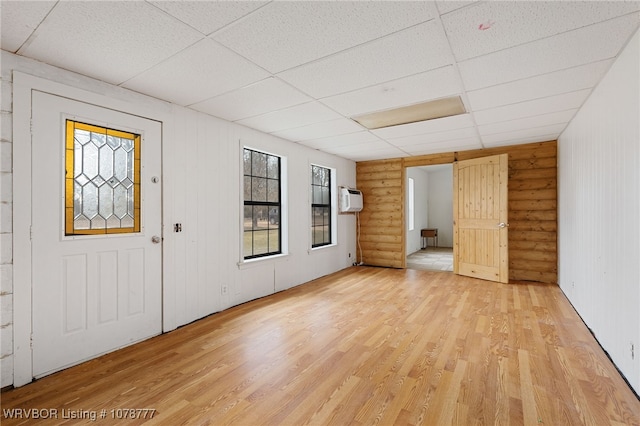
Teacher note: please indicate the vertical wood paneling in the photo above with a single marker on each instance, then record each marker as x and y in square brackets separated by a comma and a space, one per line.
[532, 206]
[599, 212]
[201, 190]
[383, 190]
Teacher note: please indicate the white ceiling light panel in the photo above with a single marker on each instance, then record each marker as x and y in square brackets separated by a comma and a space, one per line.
[424, 111]
[422, 87]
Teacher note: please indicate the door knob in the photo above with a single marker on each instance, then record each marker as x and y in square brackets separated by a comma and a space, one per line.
[503, 225]
[155, 239]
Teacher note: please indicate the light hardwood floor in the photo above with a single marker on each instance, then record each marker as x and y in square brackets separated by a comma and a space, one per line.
[362, 346]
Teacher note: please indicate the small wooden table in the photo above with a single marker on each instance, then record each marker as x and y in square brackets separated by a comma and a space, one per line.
[429, 233]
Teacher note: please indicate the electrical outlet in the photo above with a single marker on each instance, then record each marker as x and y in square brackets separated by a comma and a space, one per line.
[633, 355]
[225, 289]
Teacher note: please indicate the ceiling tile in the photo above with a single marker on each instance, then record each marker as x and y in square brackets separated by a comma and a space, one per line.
[447, 6]
[422, 87]
[208, 16]
[536, 137]
[131, 37]
[431, 138]
[494, 26]
[336, 127]
[411, 51]
[525, 135]
[368, 152]
[288, 118]
[568, 80]
[578, 47]
[529, 65]
[541, 106]
[258, 98]
[199, 72]
[282, 35]
[374, 145]
[18, 19]
[527, 123]
[465, 144]
[429, 126]
[357, 138]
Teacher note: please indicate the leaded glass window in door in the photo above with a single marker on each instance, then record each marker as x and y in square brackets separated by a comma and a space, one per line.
[102, 182]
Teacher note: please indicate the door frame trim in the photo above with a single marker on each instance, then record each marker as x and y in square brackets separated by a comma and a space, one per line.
[23, 86]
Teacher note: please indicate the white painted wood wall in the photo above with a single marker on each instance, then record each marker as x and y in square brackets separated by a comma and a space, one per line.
[441, 204]
[599, 212]
[202, 267]
[421, 187]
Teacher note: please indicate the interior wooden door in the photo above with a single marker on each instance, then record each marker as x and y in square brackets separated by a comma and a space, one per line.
[480, 226]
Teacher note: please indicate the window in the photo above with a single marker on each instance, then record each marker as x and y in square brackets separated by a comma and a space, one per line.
[262, 204]
[411, 202]
[320, 206]
[102, 180]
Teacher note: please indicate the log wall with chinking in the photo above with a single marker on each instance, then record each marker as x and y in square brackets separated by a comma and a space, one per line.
[381, 232]
[532, 208]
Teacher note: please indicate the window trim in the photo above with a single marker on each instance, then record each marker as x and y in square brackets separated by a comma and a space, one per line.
[333, 211]
[411, 203]
[282, 203]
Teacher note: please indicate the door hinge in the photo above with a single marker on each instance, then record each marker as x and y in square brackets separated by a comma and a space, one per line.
[30, 233]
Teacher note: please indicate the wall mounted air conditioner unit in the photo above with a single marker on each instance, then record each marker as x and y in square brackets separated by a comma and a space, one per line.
[350, 200]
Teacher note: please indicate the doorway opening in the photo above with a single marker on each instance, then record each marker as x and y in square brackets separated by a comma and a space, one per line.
[429, 237]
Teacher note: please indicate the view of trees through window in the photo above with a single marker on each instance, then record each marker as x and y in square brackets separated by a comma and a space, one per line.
[262, 208]
[320, 206]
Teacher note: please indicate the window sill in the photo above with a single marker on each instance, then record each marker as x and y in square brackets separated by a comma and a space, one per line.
[311, 250]
[249, 263]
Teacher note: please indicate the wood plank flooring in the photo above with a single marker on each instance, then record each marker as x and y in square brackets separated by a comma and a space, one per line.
[362, 346]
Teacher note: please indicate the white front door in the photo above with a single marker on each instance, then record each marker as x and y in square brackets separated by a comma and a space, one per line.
[96, 237]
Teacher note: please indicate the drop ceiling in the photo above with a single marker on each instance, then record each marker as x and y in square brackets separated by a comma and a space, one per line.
[300, 70]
